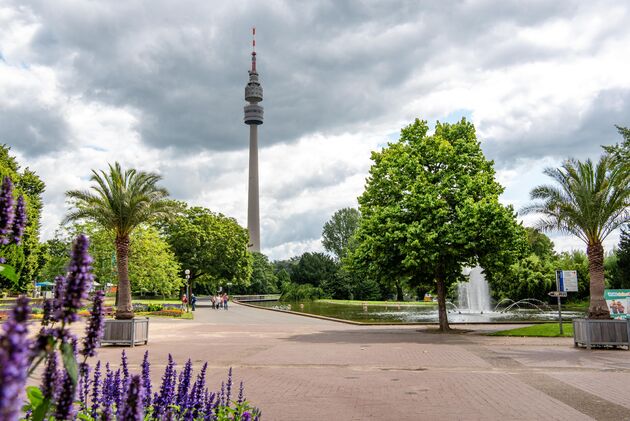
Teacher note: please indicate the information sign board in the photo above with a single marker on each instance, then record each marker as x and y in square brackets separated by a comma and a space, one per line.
[566, 280]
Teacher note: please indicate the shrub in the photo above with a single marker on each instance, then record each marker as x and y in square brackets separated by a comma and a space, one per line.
[303, 292]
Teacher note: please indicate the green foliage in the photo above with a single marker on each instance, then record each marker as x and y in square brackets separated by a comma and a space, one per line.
[314, 269]
[539, 244]
[263, 279]
[54, 256]
[24, 258]
[621, 277]
[301, 292]
[339, 230]
[620, 153]
[430, 207]
[212, 245]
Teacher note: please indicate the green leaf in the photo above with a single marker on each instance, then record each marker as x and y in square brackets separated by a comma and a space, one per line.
[69, 362]
[84, 417]
[8, 272]
[39, 413]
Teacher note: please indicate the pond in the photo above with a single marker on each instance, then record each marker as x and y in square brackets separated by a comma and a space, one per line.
[422, 313]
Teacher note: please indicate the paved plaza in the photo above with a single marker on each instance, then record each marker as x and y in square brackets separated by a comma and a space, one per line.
[301, 368]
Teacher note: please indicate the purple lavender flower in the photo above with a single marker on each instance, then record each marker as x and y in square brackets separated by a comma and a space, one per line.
[240, 394]
[116, 389]
[78, 281]
[184, 384]
[19, 222]
[14, 353]
[47, 316]
[58, 293]
[211, 404]
[165, 398]
[195, 401]
[6, 210]
[96, 388]
[146, 379]
[229, 387]
[107, 395]
[64, 410]
[84, 384]
[247, 416]
[125, 367]
[95, 327]
[132, 407]
[50, 376]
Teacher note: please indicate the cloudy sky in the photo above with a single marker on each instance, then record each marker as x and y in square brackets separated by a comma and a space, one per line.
[158, 85]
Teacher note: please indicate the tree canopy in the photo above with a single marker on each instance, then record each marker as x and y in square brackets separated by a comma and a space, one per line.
[338, 231]
[431, 207]
[211, 245]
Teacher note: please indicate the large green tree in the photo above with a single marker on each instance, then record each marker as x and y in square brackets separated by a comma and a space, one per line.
[211, 245]
[431, 207]
[26, 257]
[121, 200]
[588, 201]
[338, 231]
[620, 153]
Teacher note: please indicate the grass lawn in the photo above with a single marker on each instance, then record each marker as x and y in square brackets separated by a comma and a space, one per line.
[378, 303]
[545, 329]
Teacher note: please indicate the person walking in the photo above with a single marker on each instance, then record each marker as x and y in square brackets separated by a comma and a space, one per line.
[193, 301]
[184, 303]
[213, 300]
[225, 301]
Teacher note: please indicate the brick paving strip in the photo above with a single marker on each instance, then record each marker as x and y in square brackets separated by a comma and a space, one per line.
[298, 368]
[585, 402]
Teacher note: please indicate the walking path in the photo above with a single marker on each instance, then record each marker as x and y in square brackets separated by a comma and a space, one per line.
[300, 368]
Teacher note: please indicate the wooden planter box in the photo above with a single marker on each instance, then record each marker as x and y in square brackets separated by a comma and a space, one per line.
[126, 332]
[593, 332]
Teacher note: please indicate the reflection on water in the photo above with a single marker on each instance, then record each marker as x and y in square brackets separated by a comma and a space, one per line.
[394, 313]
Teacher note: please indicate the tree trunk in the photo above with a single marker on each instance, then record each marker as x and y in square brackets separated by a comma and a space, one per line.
[399, 292]
[441, 289]
[124, 309]
[598, 309]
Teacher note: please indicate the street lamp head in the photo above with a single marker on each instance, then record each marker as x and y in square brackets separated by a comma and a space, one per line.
[187, 271]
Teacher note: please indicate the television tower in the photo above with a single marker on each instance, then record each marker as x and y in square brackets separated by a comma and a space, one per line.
[253, 118]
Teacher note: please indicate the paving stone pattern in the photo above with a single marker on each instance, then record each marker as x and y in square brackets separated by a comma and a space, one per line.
[299, 368]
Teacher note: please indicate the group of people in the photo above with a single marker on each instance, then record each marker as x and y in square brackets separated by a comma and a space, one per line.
[218, 301]
[193, 302]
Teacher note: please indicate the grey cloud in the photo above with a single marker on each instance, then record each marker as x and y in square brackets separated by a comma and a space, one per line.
[32, 129]
[325, 66]
[565, 138]
[297, 227]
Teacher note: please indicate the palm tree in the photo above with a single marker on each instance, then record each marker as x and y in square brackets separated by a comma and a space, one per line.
[589, 203]
[120, 201]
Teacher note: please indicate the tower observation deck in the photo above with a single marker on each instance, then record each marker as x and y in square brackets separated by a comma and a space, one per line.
[253, 118]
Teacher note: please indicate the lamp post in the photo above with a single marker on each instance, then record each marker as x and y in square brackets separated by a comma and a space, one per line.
[187, 272]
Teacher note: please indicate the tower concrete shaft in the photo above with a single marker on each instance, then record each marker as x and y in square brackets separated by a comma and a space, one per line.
[253, 118]
[253, 207]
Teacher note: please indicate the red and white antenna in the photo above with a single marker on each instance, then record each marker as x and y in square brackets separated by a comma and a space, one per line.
[254, 49]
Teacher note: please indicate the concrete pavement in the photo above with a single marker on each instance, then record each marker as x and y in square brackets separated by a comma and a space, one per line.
[299, 368]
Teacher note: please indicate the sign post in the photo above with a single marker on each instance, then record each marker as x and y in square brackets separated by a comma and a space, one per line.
[559, 288]
[566, 281]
